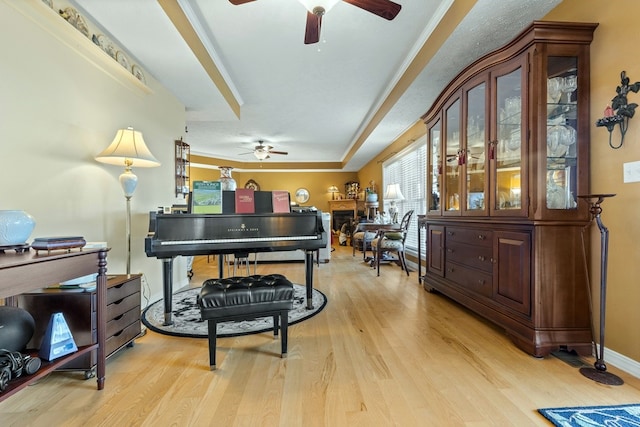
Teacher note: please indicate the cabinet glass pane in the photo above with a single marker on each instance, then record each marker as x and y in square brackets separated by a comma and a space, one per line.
[475, 158]
[435, 166]
[510, 137]
[452, 160]
[562, 134]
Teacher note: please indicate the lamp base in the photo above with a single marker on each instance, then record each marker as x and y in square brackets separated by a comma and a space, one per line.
[602, 377]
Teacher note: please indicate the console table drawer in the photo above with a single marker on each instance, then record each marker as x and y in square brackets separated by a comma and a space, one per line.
[123, 337]
[117, 292]
[471, 279]
[123, 305]
[472, 256]
[120, 322]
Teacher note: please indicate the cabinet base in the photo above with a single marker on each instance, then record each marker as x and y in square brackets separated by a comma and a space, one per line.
[538, 341]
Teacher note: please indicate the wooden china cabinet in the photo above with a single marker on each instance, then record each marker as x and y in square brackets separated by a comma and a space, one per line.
[508, 156]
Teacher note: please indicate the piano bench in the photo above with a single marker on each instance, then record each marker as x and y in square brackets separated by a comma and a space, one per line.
[246, 298]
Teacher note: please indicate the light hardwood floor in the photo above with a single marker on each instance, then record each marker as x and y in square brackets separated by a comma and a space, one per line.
[383, 352]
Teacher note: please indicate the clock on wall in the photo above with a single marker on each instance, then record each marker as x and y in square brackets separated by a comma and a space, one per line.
[302, 195]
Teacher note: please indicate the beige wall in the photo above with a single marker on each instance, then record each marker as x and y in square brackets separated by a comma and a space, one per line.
[59, 109]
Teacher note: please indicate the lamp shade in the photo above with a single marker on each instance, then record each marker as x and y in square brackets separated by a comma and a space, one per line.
[128, 148]
[393, 192]
[333, 189]
[325, 4]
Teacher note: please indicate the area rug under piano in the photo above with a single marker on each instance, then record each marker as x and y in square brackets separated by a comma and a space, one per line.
[187, 321]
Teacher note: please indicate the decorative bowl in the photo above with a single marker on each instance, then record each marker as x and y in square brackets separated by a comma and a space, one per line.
[15, 227]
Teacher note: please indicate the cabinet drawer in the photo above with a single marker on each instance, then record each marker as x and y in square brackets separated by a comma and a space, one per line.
[123, 337]
[470, 278]
[120, 322]
[469, 235]
[122, 306]
[472, 256]
[115, 293]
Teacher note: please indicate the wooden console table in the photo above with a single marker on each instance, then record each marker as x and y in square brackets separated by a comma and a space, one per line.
[25, 272]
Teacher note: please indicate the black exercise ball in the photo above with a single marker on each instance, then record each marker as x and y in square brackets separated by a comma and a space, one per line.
[16, 328]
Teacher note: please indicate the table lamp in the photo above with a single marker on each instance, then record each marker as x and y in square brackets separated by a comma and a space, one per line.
[333, 190]
[392, 194]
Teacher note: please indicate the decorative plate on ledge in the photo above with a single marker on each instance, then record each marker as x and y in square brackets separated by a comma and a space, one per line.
[137, 72]
[122, 60]
[251, 184]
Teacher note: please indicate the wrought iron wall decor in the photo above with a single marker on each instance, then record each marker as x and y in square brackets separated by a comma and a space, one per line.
[620, 111]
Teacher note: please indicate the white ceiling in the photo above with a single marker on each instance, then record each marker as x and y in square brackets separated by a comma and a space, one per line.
[314, 101]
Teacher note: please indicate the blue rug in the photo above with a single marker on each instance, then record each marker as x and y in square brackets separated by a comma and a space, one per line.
[593, 416]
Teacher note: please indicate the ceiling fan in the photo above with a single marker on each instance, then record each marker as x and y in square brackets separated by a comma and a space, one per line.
[262, 151]
[317, 8]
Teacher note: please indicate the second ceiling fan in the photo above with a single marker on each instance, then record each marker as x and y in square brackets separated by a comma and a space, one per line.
[262, 151]
[317, 8]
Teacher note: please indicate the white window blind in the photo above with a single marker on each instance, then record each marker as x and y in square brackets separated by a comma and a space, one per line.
[409, 169]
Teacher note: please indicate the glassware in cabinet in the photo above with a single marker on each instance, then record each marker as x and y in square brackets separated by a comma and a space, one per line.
[561, 133]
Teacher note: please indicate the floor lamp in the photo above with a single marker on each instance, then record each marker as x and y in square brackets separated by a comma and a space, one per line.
[128, 149]
[599, 371]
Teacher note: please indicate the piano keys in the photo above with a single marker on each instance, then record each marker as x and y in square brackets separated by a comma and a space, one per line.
[172, 235]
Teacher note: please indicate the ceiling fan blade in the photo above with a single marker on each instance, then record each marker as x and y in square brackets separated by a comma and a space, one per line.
[237, 2]
[312, 32]
[278, 152]
[383, 8]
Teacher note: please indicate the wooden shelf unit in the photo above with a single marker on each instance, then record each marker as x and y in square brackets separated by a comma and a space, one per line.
[182, 167]
[79, 310]
[25, 272]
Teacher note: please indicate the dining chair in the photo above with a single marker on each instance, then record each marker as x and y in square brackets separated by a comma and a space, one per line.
[392, 241]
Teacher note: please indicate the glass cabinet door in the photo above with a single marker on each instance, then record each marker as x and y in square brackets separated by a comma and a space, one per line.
[475, 159]
[509, 145]
[454, 158]
[561, 138]
[434, 173]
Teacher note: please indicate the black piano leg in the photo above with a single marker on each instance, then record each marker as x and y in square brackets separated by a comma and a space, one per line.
[308, 265]
[167, 281]
[220, 265]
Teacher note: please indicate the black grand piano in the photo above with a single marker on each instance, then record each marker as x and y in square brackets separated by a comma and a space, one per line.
[171, 235]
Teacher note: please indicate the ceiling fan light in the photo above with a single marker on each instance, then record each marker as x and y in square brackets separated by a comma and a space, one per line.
[325, 4]
[261, 154]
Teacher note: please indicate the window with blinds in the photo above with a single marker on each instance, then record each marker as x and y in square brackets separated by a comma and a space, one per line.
[409, 169]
